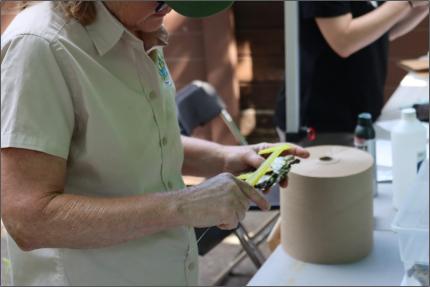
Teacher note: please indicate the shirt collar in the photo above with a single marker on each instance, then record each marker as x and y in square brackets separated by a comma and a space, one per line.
[106, 31]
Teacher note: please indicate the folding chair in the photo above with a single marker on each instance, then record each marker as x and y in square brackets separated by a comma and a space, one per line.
[197, 104]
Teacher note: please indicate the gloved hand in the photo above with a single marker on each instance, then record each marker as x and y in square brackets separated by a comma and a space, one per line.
[220, 201]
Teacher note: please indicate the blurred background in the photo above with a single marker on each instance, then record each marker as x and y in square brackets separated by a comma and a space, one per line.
[241, 53]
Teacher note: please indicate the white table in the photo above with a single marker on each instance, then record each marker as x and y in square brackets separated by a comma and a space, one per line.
[413, 89]
[383, 266]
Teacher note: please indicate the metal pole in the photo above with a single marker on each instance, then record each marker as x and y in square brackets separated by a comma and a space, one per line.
[249, 246]
[233, 127]
[292, 66]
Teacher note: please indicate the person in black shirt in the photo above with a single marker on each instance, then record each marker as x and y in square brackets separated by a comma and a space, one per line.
[343, 58]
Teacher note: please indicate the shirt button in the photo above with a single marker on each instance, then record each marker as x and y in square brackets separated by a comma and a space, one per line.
[164, 141]
[191, 266]
[169, 185]
[152, 95]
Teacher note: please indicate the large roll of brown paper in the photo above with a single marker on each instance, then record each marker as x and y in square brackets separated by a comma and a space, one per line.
[327, 208]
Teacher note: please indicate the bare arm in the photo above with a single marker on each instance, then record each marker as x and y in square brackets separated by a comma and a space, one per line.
[38, 214]
[347, 35]
[415, 16]
[201, 157]
[204, 158]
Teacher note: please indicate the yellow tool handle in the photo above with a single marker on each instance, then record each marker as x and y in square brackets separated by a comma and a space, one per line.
[275, 151]
[282, 147]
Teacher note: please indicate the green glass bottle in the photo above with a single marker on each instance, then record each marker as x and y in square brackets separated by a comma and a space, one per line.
[364, 139]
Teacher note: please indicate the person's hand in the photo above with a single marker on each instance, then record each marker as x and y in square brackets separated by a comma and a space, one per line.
[239, 159]
[220, 201]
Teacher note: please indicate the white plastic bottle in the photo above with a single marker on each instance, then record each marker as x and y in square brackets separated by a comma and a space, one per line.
[408, 139]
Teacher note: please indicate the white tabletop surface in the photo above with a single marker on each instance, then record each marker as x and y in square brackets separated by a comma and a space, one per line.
[413, 89]
[383, 266]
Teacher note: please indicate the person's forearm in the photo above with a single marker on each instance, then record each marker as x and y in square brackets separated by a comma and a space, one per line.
[357, 33]
[74, 221]
[38, 214]
[366, 29]
[414, 17]
[201, 157]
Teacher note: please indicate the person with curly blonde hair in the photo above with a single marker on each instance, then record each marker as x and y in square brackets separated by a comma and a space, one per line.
[92, 158]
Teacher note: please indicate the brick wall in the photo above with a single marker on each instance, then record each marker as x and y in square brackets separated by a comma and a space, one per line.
[259, 31]
[205, 49]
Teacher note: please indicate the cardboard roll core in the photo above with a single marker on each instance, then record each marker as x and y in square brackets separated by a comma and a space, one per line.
[326, 158]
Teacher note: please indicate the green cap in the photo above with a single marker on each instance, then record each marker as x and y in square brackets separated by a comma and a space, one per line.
[199, 9]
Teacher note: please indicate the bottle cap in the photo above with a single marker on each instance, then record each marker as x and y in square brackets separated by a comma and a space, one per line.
[409, 114]
[365, 119]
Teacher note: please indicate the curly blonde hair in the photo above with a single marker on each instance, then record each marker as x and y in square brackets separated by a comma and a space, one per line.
[83, 11]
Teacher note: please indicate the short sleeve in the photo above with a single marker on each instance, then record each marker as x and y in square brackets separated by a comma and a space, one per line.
[36, 106]
[314, 9]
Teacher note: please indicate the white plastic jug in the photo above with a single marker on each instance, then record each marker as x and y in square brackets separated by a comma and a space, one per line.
[408, 139]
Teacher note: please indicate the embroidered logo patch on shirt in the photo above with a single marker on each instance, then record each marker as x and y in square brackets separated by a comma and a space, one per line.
[162, 69]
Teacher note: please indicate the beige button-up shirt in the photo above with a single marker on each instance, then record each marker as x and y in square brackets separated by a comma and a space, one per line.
[94, 96]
